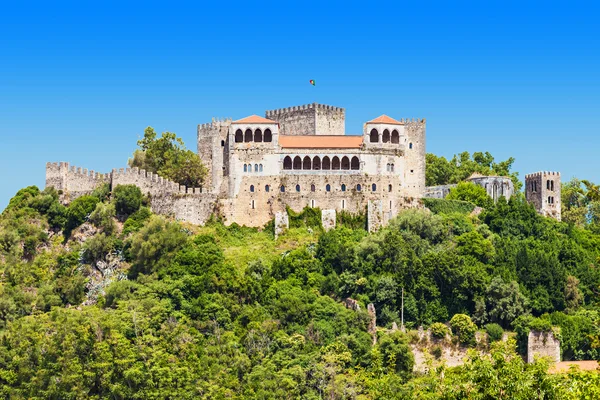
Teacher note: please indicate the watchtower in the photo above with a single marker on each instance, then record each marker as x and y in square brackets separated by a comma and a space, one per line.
[309, 119]
[543, 190]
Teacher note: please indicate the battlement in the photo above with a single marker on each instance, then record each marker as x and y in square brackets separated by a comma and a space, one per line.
[316, 106]
[542, 173]
[216, 123]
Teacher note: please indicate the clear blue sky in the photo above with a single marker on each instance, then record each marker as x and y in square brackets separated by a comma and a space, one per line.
[79, 83]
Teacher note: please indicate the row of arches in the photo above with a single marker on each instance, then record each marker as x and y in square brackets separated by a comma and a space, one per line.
[313, 188]
[257, 136]
[316, 163]
[386, 136]
[257, 168]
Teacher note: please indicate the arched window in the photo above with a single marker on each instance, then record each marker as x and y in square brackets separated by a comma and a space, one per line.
[358, 188]
[387, 167]
[268, 136]
[335, 163]
[374, 137]
[389, 188]
[249, 167]
[222, 143]
[355, 163]
[312, 203]
[252, 188]
[326, 163]
[312, 188]
[255, 167]
[258, 136]
[267, 188]
[373, 187]
[297, 163]
[287, 162]
[328, 188]
[248, 135]
[410, 145]
[392, 167]
[345, 163]
[316, 164]
[245, 168]
[343, 187]
[395, 137]
[306, 164]
[386, 136]
[239, 136]
[259, 167]
[297, 188]
[282, 188]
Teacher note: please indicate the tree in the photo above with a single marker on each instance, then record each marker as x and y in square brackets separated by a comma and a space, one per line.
[168, 157]
[468, 191]
[127, 199]
[503, 303]
[396, 353]
[464, 328]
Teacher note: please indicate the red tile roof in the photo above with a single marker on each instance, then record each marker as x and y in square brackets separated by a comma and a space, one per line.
[254, 119]
[564, 366]
[384, 119]
[320, 142]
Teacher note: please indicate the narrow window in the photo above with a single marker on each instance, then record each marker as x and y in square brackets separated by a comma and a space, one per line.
[390, 204]
[222, 143]
[245, 168]
[395, 137]
[267, 188]
[252, 188]
[258, 136]
[389, 188]
[268, 136]
[297, 188]
[552, 185]
[312, 203]
[259, 167]
[410, 145]
[392, 167]
[328, 188]
[282, 188]
[343, 187]
[358, 188]
[374, 136]
[386, 136]
[239, 136]
[253, 204]
[343, 204]
[287, 162]
[255, 167]
[312, 188]
[248, 135]
[373, 187]
[355, 163]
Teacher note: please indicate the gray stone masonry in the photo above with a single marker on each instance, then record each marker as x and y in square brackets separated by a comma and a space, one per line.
[309, 119]
[542, 344]
[543, 190]
[328, 219]
[282, 222]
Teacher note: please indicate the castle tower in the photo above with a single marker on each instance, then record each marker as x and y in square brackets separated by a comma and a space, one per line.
[213, 149]
[310, 119]
[543, 190]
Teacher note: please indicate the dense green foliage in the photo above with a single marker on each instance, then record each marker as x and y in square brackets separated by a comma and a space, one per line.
[168, 157]
[440, 171]
[472, 193]
[445, 206]
[231, 312]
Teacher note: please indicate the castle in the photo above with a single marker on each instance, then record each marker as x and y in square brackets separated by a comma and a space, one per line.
[293, 157]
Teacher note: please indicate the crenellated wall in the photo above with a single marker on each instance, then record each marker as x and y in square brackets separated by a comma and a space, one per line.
[309, 119]
[543, 190]
[75, 181]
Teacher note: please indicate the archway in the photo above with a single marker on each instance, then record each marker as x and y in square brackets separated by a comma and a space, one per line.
[258, 137]
[374, 137]
[386, 136]
[239, 136]
[268, 136]
[316, 163]
[335, 163]
[306, 164]
[326, 163]
[355, 164]
[248, 135]
[395, 137]
[345, 163]
[297, 163]
[287, 162]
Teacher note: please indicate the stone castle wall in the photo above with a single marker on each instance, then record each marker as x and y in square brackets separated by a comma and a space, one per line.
[76, 181]
[542, 344]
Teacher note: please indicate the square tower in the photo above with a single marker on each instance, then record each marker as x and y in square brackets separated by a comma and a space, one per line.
[310, 119]
[543, 190]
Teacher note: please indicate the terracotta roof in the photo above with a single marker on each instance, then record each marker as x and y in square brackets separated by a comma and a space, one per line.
[254, 119]
[384, 119]
[564, 366]
[320, 142]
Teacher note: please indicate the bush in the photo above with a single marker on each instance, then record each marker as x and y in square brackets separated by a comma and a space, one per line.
[396, 352]
[444, 206]
[136, 220]
[79, 210]
[436, 351]
[494, 331]
[102, 217]
[127, 199]
[464, 328]
[439, 330]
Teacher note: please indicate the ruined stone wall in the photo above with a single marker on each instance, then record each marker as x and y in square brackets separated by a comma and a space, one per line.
[496, 186]
[195, 208]
[148, 182]
[545, 197]
[309, 119]
[73, 181]
[438, 192]
[542, 344]
[328, 219]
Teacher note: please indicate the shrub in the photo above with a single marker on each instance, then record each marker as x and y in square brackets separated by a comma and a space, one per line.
[463, 328]
[136, 220]
[443, 206]
[102, 217]
[396, 353]
[494, 331]
[439, 330]
[128, 199]
[79, 210]
[436, 351]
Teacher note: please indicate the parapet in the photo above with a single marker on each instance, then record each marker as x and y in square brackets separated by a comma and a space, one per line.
[543, 173]
[216, 123]
[316, 106]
